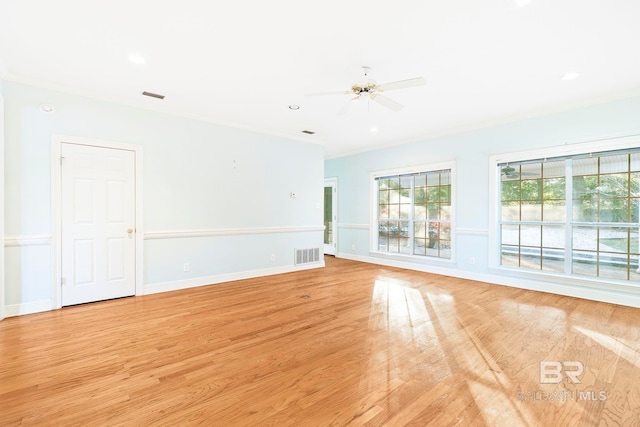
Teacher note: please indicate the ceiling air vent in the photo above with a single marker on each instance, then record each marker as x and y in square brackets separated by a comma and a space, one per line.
[153, 95]
[308, 132]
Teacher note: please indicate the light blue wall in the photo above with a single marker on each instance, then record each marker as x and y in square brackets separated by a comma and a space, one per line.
[197, 176]
[471, 151]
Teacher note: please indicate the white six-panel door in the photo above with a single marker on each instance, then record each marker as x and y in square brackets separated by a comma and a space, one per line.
[98, 223]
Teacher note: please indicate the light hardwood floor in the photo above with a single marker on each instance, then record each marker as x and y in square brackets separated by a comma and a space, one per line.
[350, 344]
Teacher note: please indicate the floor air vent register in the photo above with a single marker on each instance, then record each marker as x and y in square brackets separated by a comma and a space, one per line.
[307, 256]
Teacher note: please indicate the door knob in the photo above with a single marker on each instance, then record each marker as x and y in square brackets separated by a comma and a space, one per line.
[129, 230]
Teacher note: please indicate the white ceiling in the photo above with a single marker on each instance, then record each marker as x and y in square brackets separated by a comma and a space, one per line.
[243, 62]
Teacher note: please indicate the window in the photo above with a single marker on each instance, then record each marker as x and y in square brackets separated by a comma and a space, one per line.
[575, 215]
[413, 213]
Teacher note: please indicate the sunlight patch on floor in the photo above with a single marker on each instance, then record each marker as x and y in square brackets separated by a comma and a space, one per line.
[630, 351]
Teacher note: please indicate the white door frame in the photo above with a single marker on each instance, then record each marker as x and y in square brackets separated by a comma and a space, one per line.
[333, 182]
[56, 208]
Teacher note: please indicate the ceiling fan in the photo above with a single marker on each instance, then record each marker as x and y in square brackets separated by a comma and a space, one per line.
[510, 172]
[368, 89]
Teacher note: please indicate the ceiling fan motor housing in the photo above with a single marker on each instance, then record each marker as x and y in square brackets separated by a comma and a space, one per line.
[366, 88]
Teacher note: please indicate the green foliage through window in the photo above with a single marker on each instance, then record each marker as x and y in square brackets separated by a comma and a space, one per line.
[414, 214]
[599, 215]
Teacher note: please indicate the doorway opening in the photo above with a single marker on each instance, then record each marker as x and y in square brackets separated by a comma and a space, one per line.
[330, 216]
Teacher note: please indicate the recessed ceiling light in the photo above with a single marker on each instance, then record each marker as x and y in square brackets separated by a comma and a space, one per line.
[373, 129]
[47, 108]
[294, 107]
[136, 58]
[570, 76]
[520, 3]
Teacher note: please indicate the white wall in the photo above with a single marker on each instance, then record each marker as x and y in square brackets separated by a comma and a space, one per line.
[227, 187]
[471, 151]
[1, 203]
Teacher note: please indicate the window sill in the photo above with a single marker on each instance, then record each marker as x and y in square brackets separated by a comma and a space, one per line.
[614, 285]
[416, 259]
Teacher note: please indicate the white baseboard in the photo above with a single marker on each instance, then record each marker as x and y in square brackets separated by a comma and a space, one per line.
[47, 305]
[28, 308]
[154, 288]
[603, 295]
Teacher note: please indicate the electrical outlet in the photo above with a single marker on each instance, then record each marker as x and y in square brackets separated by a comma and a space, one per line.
[273, 257]
[185, 267]
[472, 261]
[353, 247]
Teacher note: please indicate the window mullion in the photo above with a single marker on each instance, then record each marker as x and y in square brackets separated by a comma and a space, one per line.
[376, 203]
[568, 236]
[411, 214]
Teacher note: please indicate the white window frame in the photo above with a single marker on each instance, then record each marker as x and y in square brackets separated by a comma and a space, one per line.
[373, 215]
[596, 146]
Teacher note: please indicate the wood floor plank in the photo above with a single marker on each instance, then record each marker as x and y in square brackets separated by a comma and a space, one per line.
[352, 344]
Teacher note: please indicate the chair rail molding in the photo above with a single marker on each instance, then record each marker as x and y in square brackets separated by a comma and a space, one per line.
[353, 226]
[177, 234]
[27, 240]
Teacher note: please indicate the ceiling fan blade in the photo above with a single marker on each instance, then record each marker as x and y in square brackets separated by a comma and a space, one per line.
[401, 84]
[346, 106]
[337, 92]
[387, 102]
